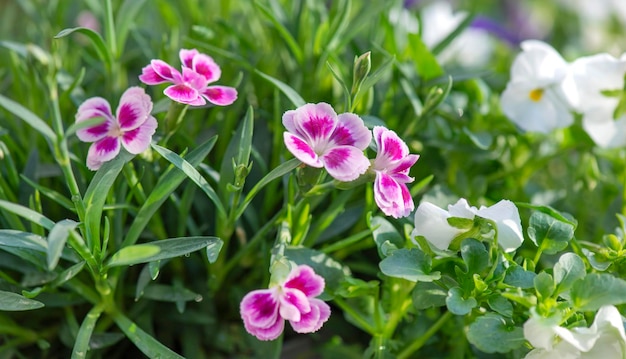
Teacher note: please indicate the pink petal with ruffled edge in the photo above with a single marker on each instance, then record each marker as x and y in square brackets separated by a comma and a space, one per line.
[390, 146]
[351, 131]
[266, 333]
[184, 94]
[138, 140]
[186, 57]
[304, 279]
[94, 107]
[345, 163]
[193, 79]
[400, 169]
[293, 303]
[301, 150]
[314, 123]
[391, 197]
[206, 66]
[102, 151]
[134, 109]
[165, 71]
[220, 95]
[150, 77]
[313, 320]
[259, 308]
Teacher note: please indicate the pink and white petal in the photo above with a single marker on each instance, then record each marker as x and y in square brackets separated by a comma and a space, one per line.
[388, 195]
[409, 206]
[164, 70]
[150, 77]
[345, 163]
[403, 166]
[270, 332]
[184, 94]
[305, 280]
[293, 303]
[93, 133]
[288, 121]
[389, 145]
[97, 104]
[259, 308]
[220, 95]
[186, 57]
[206, 66]
[301, 150]
[138, 140]
[313, 320]
[102, 151]
[315, 123]
[351, 131]
[194, 79]
[134, 109]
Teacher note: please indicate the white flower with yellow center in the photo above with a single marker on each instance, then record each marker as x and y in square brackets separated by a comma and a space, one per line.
[534, 98]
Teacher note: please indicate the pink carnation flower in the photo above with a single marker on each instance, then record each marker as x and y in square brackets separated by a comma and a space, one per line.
[320, 138]
[264, 311]
[392, 165]
[191, 86]
[131, 127]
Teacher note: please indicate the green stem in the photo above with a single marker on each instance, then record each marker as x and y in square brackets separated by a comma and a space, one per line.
[395, 317]
[419, 342]
[348, 309]
[110, 28]
[173, 119]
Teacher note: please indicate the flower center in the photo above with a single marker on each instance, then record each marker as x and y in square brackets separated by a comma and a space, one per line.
[536, 94]
[115, 131]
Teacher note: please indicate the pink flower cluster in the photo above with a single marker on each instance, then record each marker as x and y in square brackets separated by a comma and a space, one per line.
[264, 311]
[133, 126]
[319, 137]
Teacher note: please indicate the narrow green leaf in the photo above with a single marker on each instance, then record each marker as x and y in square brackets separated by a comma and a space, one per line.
[237, 154]
[438, 48]
[426, 64]
[11, 302]
[27, 213]
[167, 183]
[192, 174]
[125, 18]
[151, 347]
[158, 250]
[213, 250]
[94, 37]
[56, 240]
[169, 293]
[52, 194]
[81, 345]
[410, 264]
[291, 94]
[27, 116]
[282, 30]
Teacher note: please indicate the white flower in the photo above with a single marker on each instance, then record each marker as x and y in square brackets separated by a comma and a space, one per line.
[535, 98]
[589, 77]
[431, 222]
[604, 339]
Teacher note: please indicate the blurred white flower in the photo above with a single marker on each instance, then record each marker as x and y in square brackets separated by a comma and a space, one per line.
[535, 98]
[431, 222]
[604, 339]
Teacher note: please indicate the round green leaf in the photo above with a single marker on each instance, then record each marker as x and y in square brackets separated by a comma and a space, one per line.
[410, 264]
[491, 334]
[457, 304]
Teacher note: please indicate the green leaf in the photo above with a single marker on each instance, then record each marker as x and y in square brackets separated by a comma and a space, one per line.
[411, 264]
[158, 250]
[549, 233]
[81, 345]
[563, 217]
[597, 290]
[56, 240]
[282, 30]
[501, 305]
[193, 175]
[237, 154]
[460, 222]
[124, 19]
[372, 79]
[332, 271]
[474, 255]
[94, 37]
[353, 287]
[151, 347]
[30, 118]
[168, 293]
[491, 334]
[567, 271]
[27, 213]
[544, 285]
[213, 250]
[52, 194]
[427, 295]
[291, 94]
[457, 304]
[426, 64]
[167, 183]
[519, 277]
[383, 231]
[11, 302]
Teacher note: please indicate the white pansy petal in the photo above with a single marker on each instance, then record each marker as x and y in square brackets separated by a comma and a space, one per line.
[462, 209]
[539, 61]
[581, 338]
[592, 74]
[507, 219]
[431, 222]
[539, 332]
[603, 130]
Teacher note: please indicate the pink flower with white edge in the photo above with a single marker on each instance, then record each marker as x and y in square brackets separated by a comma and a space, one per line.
[264, 311]
[191, 86]
[392, 165]
[319, 138]
[132, 127]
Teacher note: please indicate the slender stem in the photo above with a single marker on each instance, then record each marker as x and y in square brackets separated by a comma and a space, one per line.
[110, 28]
[395, 317]
[348, 309]
[419, 342]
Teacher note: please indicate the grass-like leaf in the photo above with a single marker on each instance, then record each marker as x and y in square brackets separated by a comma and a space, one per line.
[94, 37]
[282, 30]
[151, 347]
[81, 345]
[27, 213]
[27, 116]
[11, 302]
[56, 241]
[291, 94]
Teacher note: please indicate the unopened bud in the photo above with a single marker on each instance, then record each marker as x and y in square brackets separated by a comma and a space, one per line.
[362, 67]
